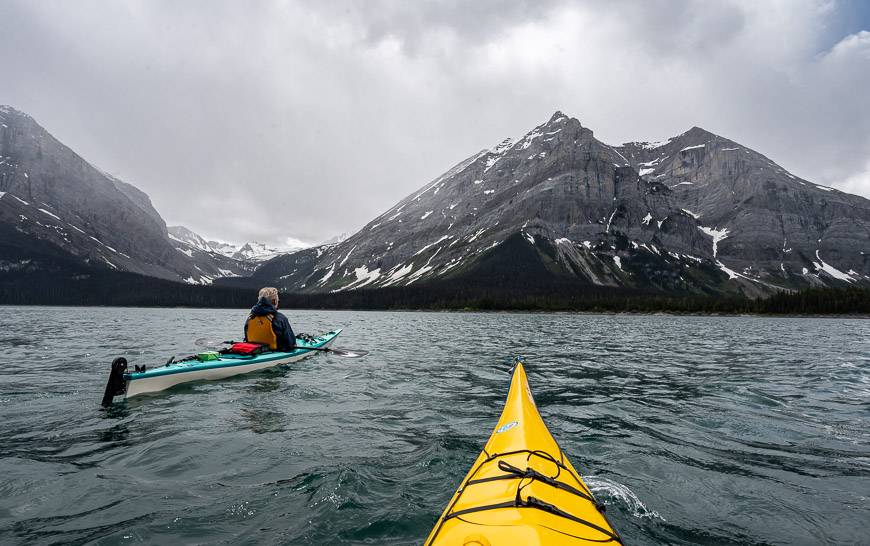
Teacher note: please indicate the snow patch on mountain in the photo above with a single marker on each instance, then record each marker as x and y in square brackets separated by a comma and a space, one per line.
[650, 145]
[687, 148]
[490, 162]
[363, 277]
[55, 216]
[477, 234]
[430, 245]
[530, 137]
[610, 220]
[397, 273]
[717, 235]
[831, 270]
[349, 252]
[327, 276]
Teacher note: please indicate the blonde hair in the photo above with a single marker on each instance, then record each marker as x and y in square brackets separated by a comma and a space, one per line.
[270, 293]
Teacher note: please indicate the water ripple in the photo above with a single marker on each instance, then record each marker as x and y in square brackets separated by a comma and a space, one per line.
[692, 430]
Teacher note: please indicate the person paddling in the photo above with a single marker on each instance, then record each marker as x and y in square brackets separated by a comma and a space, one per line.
[267, 326]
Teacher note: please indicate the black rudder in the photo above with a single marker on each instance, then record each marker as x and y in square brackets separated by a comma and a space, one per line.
[117, 384]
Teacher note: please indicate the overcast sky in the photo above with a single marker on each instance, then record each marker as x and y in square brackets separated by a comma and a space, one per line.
[268, 120]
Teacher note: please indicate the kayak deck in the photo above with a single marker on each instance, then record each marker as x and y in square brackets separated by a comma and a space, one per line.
[228, 365]
[522, 489]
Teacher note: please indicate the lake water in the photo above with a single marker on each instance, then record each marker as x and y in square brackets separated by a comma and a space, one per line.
[693, 430]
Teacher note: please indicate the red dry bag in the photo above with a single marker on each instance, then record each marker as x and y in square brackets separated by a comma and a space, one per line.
[248, 348]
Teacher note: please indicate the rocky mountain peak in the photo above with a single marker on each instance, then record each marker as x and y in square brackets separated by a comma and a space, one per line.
[695, 213]
[559, 120]
[698, 134]
[186, 236]
[557, 117]
[7, 110]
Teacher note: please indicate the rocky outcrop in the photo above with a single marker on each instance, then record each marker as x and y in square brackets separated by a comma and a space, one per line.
[138, 197]
[768, 223]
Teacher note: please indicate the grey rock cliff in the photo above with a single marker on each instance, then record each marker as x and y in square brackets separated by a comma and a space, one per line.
[773, 225]
[51, 194]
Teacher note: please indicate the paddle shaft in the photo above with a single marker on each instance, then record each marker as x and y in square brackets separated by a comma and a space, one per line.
[294, 347]
[352, 353]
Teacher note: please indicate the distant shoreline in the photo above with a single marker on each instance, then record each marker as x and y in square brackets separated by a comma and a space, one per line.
[857, 315]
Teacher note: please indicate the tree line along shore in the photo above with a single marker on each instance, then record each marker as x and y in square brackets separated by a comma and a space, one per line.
[127, 289]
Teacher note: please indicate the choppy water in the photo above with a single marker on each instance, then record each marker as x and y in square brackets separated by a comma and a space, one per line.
[693, 430]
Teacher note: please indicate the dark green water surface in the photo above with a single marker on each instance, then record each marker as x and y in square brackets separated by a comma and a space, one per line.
[693, 430]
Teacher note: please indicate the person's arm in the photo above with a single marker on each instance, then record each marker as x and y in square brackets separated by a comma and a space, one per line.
[291, 335]
[286, 339]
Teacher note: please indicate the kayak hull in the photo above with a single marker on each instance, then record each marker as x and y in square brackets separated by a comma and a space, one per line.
[159, 379]
[522, 489]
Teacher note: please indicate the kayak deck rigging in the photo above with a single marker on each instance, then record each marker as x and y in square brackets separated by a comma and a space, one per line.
[522, 489]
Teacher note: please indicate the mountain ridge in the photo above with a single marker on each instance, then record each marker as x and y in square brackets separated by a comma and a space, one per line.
[685, 215]
[251, 252]
[697, 214]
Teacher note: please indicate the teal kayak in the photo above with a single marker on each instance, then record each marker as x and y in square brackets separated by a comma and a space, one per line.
[125, 383]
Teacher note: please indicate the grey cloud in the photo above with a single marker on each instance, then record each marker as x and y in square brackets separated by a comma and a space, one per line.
[272, 119]
[412, 22]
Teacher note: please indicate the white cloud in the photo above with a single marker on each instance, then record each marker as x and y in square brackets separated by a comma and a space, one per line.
[853, 44]
[292, 242]
[857, 183]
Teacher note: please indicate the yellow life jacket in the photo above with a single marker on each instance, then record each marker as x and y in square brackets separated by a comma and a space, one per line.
[258, 329]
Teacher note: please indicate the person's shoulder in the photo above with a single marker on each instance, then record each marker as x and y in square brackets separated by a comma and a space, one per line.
[281, 316]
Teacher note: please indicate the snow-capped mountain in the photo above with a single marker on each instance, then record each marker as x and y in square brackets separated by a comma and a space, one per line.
[259, 252]
[183, 235]
[252, 252]
[335, 240]
[222, 247]
[53, 200]
[695, 214]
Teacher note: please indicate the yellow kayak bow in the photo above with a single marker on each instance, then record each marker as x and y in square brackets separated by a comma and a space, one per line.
[522, 490]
